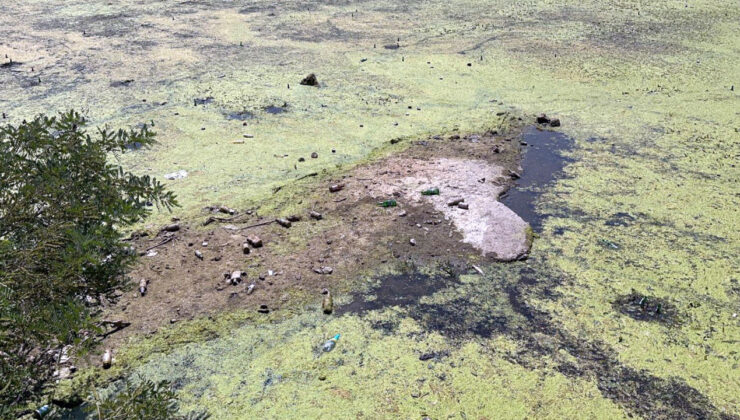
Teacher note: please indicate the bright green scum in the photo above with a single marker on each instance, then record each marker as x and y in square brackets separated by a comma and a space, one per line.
[645, 88]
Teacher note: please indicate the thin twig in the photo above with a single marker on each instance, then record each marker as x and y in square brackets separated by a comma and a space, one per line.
[257, 224]
[161, 243]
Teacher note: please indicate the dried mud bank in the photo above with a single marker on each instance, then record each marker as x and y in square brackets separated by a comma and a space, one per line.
[334, 235]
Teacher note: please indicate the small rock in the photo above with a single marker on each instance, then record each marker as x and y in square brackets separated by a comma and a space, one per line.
[315, 215]
[283, 222]
[514, 175]
[412, 241]
[310, 80]
[301, 159]
[314, 155]
[327, 270]
[555, 122]
[254, 240]
[542, 119]
[336, 187]
[173, 320]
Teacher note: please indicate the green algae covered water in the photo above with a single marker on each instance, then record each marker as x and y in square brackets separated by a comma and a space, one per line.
[645, 207]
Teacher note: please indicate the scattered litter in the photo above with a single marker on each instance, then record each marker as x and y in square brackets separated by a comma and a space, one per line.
[250, 289]
[431, 191]
[151, 253]
[330, 344]
[107, 358]
[235, 277]
[238, 142]
[143, 283]
[403, 213]
[254, 240]
[608, 244]
[204, 244]
[294, 218]
[245, 248]
[314, 155]
[315, 215]
[171, 228]
[555, 122]
[283, 222]
[476, 268]
[323, 270]
[412, 241]
[388, 203]
[463, 206]
[336, 187]
[42, 411]
[455, 202]
[198, 254]
[176, 175]
[263, 309]
[514, 175]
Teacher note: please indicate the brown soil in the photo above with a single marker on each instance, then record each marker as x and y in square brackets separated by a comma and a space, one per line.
[355, 234]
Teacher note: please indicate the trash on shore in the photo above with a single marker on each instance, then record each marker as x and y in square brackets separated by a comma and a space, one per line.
[42, 411]
[327, 304]
[336, 188]
[543, 119]
[107, 358]
[463, 206]
[316, 215]
[455, 202]
[294, 218]
[263, 309]
[412, 241]
[254, 240]
[235, 277]
[176, 175]
[250, 289]
[431, 191]
[143, 283]
[330, 344]
[283, 222]
[171, 228]
[199, 254]
[245, 248]
[388, 203]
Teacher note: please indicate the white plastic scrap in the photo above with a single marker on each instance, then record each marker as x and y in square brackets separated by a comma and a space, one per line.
[182, 173]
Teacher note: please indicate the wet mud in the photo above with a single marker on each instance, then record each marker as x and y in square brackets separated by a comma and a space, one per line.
[544, 157]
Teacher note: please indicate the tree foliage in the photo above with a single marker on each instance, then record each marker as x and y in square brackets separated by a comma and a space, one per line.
[62, 202]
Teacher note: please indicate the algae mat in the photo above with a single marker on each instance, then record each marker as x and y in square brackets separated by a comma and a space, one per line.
[649, 92]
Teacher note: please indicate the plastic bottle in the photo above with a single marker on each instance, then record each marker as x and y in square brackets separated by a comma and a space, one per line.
[388, 203]
[330, 344]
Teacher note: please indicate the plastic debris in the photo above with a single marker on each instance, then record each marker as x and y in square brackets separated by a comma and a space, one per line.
[431, 191]
[176, 175]
[330, 344]
[388, 203]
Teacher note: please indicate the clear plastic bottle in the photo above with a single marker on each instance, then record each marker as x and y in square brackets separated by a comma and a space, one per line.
[330, 344]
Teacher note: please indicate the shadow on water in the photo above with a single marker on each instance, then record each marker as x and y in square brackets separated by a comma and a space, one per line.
[543, 162]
